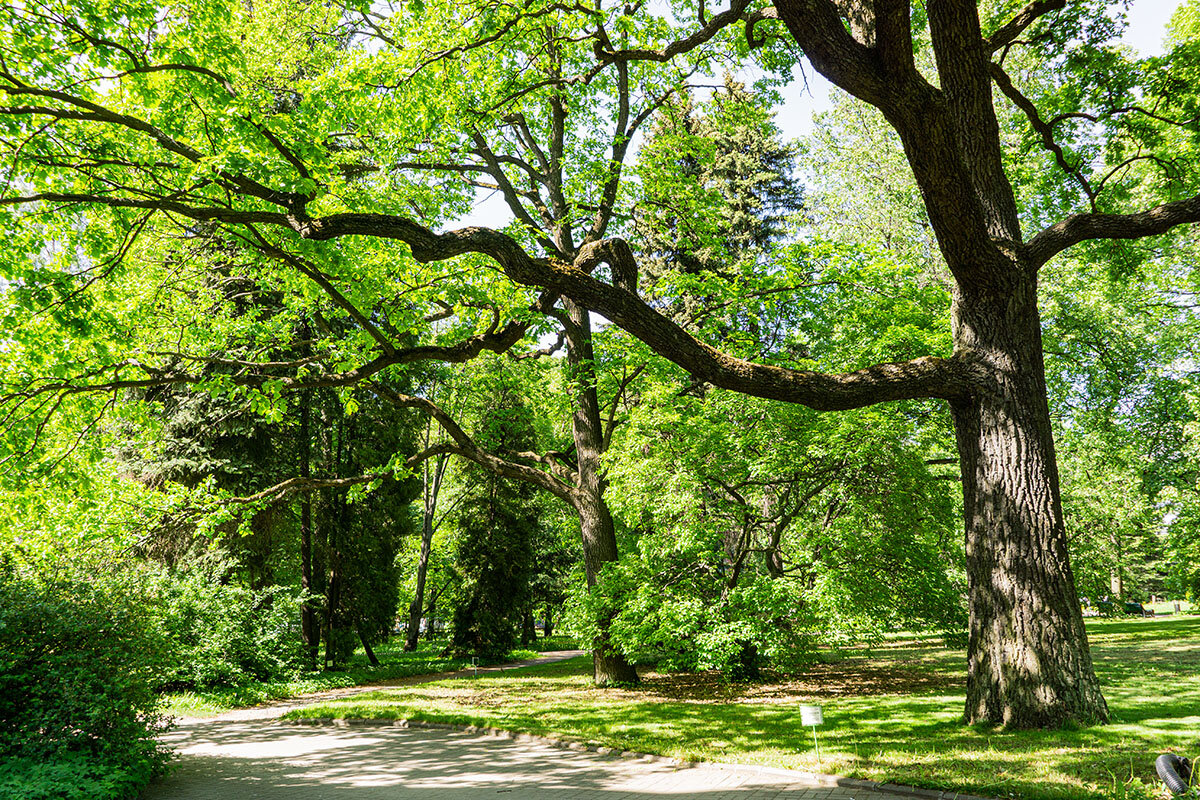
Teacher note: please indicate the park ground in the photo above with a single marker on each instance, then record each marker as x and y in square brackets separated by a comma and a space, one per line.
[891, 714]
[395, 664]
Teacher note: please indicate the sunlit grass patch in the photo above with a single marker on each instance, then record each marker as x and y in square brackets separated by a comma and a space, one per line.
[891, 714]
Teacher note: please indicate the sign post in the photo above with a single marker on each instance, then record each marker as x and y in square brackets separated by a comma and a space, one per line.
[811, 715]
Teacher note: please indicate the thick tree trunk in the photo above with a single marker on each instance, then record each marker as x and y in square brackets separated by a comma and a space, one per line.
[599, 548]
[595, 521]
[548, 631]
[1028, 658]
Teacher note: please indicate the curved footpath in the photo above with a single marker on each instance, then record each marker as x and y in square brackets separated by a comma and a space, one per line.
[250, 753]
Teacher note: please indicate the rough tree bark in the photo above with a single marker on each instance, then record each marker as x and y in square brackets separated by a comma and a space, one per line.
[595, 520]
[1028, 659]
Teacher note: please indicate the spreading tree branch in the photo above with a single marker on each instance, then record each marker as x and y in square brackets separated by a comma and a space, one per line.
[735, 13]
[463, 445]
[1082, 227]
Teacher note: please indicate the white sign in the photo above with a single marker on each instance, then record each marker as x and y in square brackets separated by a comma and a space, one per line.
[811, 715]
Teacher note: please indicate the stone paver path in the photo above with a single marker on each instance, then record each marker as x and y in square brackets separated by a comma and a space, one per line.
[255, 760]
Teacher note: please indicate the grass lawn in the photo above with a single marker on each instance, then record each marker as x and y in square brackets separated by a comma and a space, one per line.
[890, 714]
[393, 663]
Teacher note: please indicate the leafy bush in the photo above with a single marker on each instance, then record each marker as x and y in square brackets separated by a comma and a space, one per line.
[688, 623]
[78, 663]
[228, 635]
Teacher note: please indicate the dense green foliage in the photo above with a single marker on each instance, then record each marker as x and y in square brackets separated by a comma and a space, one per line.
[498, 525]
[224, 634]
[78, 665]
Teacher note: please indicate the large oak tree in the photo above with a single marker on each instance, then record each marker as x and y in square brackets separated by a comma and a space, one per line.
[144, 114]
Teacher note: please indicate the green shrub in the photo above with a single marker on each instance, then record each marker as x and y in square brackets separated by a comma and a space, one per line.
[78, 663]
[71, 775]
[227, 635]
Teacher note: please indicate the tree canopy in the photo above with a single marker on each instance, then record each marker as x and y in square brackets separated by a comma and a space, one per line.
[316, 157]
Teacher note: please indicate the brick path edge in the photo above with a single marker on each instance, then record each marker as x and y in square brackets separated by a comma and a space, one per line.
[812, 778]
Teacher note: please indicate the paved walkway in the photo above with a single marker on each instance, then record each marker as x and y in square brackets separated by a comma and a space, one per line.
[259, 760]
[248, 754]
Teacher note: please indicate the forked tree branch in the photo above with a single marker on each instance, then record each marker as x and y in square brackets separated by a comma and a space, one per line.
[463, 445]
[735, 13]
[1044, 129]
[924, 377]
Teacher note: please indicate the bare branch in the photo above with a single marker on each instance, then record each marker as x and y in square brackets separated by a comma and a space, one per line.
[1043, 129]
[610, 424]
[148, 68]
[500, 33]
[463, 445]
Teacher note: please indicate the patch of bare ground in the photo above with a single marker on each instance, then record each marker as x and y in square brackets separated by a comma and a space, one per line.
[836, 679]
[848, 678]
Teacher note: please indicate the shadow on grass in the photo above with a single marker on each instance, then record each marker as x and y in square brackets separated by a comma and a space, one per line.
[892, 713]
